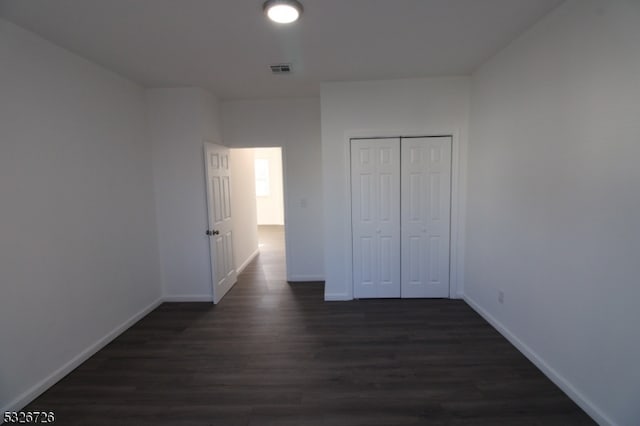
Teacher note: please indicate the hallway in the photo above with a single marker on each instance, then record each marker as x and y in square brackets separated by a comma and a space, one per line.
[272, 261]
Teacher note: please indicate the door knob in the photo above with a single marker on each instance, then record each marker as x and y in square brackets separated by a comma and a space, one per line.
[214, 232]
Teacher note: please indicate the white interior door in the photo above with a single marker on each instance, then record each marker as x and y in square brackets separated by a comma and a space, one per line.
[426, 206]
[220, 224]
[375, 214]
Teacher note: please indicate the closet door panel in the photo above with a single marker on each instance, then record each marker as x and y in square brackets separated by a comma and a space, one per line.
[375, 214]
[426, 204]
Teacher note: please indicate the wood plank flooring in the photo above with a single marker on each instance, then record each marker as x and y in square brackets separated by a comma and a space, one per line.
[273, 353]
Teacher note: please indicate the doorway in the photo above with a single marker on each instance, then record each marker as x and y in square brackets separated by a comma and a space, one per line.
[250, 183]
[269, 182]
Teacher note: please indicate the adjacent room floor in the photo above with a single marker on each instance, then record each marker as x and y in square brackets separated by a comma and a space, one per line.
[274, 353]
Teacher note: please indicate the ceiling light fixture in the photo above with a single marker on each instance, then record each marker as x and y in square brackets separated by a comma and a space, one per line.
[282, 11]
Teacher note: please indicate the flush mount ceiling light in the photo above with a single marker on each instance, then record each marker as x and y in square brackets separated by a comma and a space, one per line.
[282, 11]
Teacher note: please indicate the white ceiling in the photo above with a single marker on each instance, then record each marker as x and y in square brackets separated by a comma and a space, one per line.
[227, 45]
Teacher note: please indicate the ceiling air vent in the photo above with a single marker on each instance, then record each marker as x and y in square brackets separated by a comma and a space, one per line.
[281, 69]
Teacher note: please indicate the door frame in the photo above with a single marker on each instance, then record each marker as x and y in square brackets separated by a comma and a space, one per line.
[456, 235]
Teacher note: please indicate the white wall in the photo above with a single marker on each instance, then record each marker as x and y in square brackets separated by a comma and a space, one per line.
[293, 124]
[243, 207]
[554, 200]
[180, 120]
[78, 255]
[383, 108]
[271, 207]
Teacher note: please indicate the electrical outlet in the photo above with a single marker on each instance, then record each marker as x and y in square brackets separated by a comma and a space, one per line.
[501, 296]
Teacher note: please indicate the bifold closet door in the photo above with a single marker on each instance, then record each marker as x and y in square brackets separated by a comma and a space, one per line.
[375, 214]
[426, 207]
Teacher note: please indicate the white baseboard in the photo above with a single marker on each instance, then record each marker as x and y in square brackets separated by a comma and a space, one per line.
[336, 297]
[188, 298]
[37, 389]
[588, 406]
[244, 264]
[305, 278]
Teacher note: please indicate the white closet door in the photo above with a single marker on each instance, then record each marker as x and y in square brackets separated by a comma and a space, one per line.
[375, 213]
[426, 206]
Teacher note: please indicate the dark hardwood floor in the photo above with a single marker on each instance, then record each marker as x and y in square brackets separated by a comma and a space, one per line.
[273, 353]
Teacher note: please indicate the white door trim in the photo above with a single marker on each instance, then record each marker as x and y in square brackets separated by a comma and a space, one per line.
[456, 268]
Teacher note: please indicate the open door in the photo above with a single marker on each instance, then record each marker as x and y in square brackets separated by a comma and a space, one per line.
[220, 230]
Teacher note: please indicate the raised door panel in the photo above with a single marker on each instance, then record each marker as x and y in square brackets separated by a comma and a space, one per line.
[220, 219]
[426, 192]
[375, 187]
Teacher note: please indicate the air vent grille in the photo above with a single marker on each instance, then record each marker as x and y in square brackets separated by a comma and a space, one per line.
[281, 68]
